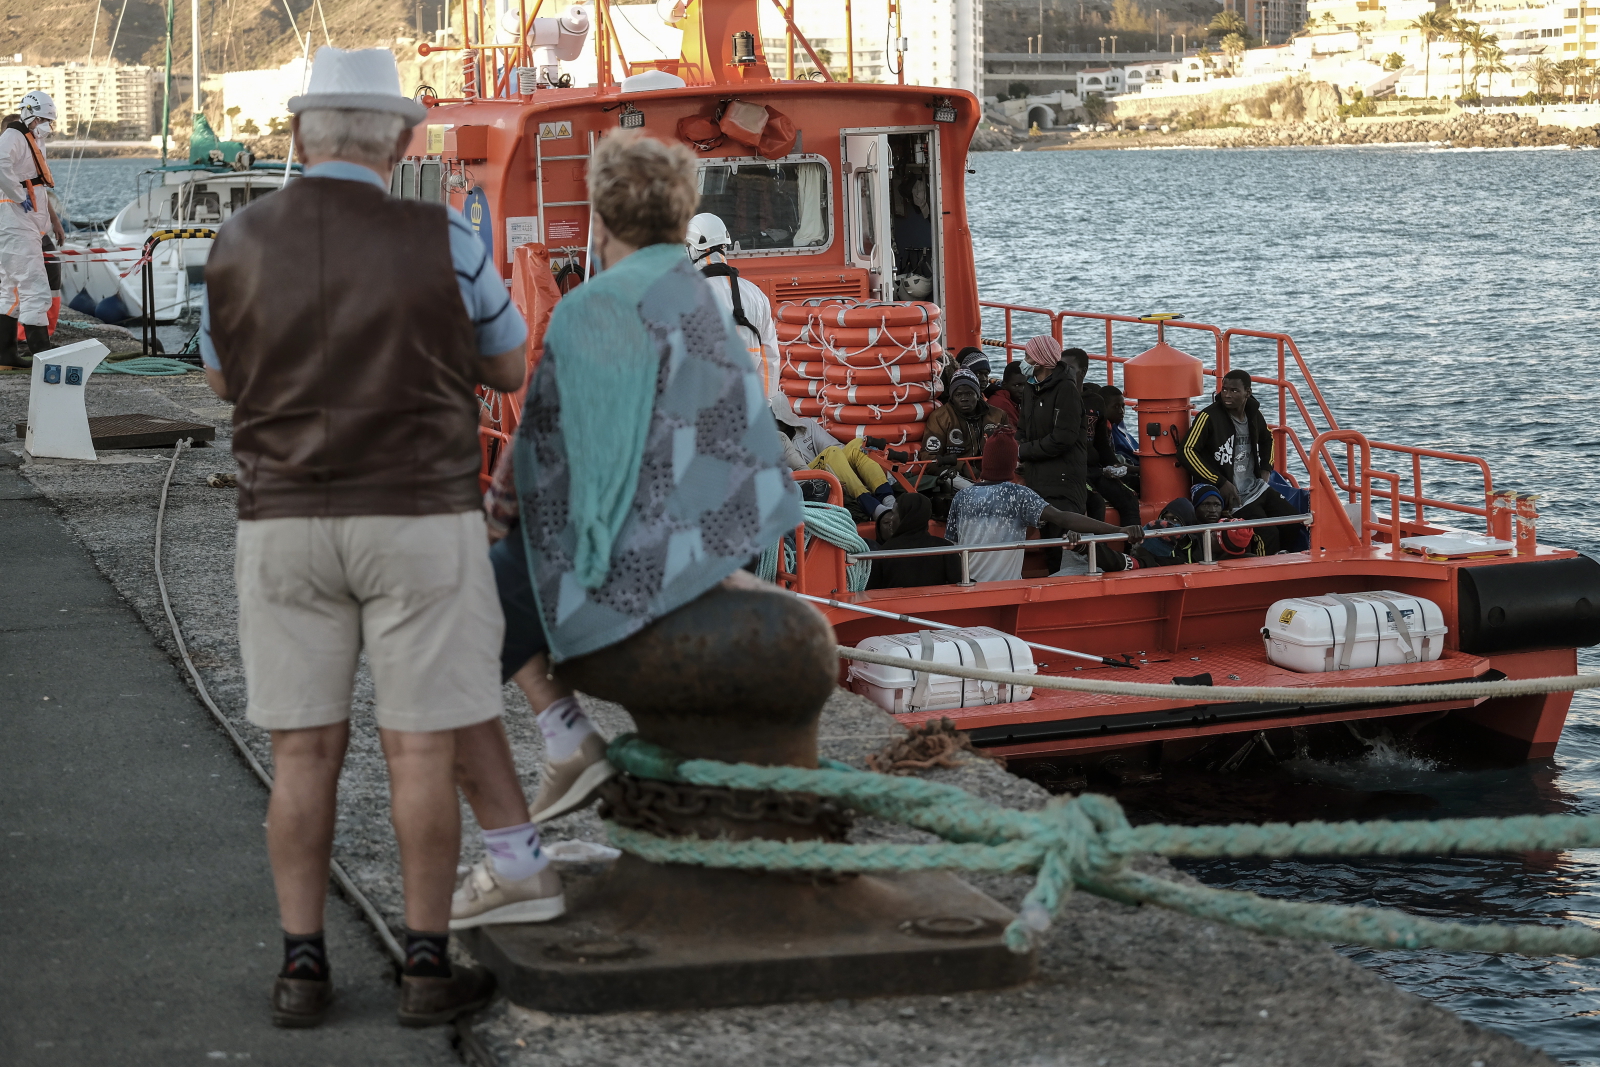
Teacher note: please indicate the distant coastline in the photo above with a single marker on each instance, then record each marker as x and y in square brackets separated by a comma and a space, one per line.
[1461, 131]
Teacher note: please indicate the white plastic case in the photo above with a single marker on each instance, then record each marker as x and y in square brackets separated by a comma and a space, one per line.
[1340, 631]
[905, 689]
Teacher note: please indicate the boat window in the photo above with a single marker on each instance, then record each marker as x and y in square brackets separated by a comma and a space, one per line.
[204, 207]
[769, 207]
[429, 181]
[408, 181]
[867, 216]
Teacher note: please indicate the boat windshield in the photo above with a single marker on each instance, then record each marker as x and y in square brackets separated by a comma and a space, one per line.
[770, 207]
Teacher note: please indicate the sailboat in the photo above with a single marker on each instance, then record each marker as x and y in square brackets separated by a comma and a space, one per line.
[102, 270]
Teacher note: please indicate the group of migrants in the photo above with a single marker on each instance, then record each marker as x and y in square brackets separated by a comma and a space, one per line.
[1045, 448]
[351, 330]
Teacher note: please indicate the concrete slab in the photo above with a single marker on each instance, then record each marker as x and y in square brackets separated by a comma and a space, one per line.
[134, 887]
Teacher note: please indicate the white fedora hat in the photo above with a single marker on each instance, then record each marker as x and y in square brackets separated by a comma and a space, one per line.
[368, 79]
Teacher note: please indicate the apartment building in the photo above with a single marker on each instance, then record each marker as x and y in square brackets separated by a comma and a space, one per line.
[100, 102]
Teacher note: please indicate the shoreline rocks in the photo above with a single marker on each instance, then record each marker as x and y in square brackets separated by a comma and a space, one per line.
[1460, 131]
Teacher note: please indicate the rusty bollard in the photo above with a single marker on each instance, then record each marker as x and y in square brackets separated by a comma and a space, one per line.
[738, 675]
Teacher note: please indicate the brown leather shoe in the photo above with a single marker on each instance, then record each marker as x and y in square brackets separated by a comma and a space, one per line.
[431, 1001]
[299, 1003]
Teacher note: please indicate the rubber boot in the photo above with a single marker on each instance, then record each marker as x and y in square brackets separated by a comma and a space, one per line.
[9, 356]
[38, 338]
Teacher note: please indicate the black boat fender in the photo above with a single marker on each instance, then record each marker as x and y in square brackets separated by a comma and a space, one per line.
[1514, 607]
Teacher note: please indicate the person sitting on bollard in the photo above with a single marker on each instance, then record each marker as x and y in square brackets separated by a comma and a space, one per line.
[912, 512]
[807, 446]
[999, 511]
[639, 491]
[351, 329]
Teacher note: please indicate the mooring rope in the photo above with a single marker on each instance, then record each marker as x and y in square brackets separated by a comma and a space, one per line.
[1220, 694]
[834, 525]
[1086, 842]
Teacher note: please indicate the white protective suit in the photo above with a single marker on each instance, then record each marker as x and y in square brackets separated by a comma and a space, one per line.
[763, 342]
[24, 287]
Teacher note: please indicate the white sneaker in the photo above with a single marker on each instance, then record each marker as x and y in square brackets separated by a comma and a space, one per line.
[486, 899]
[571, 783]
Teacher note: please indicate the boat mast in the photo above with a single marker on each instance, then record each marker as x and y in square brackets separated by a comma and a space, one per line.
[194, 65]
[166, 95]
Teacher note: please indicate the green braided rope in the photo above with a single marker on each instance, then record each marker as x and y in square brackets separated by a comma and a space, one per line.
[833, 524]
[1086, 842]
[147, 367]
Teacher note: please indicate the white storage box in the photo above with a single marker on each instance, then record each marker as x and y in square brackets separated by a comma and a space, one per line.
[1312, 634]
[904, 689]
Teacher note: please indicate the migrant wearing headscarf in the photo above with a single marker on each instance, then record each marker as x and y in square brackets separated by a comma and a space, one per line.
[913, 511]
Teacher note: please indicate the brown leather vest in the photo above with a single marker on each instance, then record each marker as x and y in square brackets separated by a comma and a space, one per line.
[339, 323]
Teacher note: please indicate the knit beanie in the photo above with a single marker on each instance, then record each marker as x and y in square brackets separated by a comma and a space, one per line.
[1043, 351]
[1000, 456]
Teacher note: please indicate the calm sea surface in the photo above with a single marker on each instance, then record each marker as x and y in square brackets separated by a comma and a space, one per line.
[1446, 298]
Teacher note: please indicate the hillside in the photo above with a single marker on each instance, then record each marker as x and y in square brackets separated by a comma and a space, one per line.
[235, 34]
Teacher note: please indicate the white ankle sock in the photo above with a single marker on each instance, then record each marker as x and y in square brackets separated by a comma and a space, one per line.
[564, 726]
[515, 852]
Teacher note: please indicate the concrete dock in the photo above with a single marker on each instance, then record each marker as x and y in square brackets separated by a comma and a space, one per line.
[135, 889]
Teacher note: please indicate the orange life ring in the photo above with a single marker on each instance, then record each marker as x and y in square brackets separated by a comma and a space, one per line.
[877, 358]
[815, 371]
[837, 312]
[802, 386]
[850, 337]
[878, 395]
[895, 433]
[806, 407]
[894, 374]
[862, 414]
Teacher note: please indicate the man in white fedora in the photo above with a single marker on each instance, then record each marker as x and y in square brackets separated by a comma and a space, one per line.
[351, 329]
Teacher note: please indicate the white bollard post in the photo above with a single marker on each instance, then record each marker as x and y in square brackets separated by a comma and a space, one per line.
[58, 423]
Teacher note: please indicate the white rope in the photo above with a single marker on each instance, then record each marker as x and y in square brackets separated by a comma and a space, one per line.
[1221, 694]
[349, 887]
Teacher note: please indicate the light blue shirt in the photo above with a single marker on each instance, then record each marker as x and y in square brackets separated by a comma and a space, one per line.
[494, 320]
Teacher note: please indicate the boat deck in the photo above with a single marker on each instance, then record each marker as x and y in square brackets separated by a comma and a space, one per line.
[1093, 720]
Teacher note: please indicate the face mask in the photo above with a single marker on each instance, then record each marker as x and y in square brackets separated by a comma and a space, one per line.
[41, 131]
[1030, 372]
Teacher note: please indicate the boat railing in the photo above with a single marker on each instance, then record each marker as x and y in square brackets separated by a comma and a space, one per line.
[1303, 413]
[819, 568]
[1091, 540]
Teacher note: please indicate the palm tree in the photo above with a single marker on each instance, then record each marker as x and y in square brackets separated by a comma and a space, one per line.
[1569, 71]
[1544, 74]
[1328, 19]
[1233, 46]
[1363, 27]
[1491, 61]
[1432, 25]
[1461, 31]
[1226, 22]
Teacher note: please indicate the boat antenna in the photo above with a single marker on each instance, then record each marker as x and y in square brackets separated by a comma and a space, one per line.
[305, 72]
[1104, 661]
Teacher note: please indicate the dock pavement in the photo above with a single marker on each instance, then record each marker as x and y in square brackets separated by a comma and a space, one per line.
[135, 895]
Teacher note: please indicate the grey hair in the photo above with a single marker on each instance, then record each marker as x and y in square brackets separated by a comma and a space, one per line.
[357, 135]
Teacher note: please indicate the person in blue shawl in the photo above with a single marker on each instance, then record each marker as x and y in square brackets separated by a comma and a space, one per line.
[647, 467]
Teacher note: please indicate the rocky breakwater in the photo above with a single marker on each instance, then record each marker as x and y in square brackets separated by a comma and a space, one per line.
[1460, 131]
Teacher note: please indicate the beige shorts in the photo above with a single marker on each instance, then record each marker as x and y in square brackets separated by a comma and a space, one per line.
[417, 592]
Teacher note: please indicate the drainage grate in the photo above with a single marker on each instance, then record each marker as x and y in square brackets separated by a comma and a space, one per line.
[140, 431]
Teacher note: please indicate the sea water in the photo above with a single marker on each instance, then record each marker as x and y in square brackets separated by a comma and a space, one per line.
[1442, 298]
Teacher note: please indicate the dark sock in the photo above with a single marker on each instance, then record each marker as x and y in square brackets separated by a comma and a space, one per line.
[427, 955]
[305, 957]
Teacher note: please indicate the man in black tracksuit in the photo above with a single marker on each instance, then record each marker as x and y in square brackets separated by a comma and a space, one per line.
[1051, 450]
[1231, 447]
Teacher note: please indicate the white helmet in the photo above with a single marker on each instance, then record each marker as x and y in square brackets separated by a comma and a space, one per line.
[707, 234]
[36, 105]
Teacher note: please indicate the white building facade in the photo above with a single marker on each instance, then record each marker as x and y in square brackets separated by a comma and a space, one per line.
[103, 102]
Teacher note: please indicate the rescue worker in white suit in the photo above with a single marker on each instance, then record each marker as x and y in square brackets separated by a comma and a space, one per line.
[24, 219]
[708, 243]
